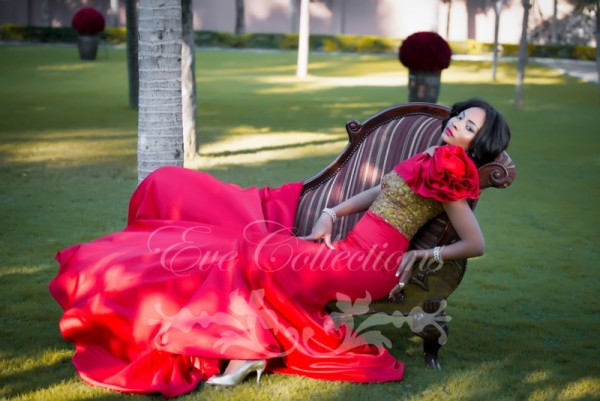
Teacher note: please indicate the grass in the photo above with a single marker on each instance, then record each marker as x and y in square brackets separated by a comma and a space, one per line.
[525, 320]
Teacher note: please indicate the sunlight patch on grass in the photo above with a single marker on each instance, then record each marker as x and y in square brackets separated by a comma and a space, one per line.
[65, 67]
[481, 73]
[483, 76]
[251, 140]
[586, 387]
[242, 73]
[349, 105]
[22, 270]
[459, 72]
[467, 383]
[543, 394]
[46, 358]
[71, 390]
[537, 377]
[244, 145]
[313, 83]
[68, 146]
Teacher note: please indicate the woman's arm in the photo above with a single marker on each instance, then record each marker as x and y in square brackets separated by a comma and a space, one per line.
[465, 224]
[470, 244]
[358, 203]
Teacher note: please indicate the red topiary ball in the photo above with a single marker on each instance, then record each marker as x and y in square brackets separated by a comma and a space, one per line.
[88, 21]
[425, 51]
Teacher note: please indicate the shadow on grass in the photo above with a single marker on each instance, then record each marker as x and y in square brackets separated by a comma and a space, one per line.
[31, 380]
[525, 318]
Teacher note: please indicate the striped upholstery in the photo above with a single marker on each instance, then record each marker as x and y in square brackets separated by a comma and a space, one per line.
[374, 148]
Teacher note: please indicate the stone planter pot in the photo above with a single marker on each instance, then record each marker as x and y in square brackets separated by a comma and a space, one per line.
[88, 47]
[424, 86]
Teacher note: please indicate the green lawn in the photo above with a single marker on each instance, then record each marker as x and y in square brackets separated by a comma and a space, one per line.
[525, 320]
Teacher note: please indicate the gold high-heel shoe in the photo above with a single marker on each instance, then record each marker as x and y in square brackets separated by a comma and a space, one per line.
[231, 379]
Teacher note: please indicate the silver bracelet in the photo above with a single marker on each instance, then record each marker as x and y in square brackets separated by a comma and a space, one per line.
[331, 213]
[437, 254]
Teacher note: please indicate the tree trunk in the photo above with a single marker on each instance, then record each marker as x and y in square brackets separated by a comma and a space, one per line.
[45, 12]
[593, 5]
[448, 19]
[598, 38]
[497, 11]
[188, 81]
[160, 137]
[132, 53]
[519, 102]
[293, 15]
[304, 34]
[342, 18]
[114, 12]
[553, 27]
[239, 17]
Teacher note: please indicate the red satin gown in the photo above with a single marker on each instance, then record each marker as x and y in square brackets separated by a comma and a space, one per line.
[207, 271]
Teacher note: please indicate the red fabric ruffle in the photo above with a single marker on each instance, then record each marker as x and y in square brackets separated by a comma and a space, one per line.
[446, 176]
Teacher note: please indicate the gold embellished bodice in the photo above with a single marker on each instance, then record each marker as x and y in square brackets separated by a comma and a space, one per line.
[402, 207]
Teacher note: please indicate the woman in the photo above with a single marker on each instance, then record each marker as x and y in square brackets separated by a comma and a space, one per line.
[207, 274]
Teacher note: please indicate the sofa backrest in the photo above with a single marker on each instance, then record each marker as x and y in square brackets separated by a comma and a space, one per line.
[374, 148]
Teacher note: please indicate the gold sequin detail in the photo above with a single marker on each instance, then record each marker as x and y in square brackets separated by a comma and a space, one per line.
[402, 207]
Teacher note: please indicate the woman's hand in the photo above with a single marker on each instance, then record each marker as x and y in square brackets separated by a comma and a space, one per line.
[409, 259]
[358, 203]
[322, 230]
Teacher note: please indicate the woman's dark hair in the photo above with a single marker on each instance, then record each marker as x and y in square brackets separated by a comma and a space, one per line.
[491, 139]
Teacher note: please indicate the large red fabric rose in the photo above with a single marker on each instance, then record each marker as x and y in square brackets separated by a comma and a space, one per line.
[447, 175]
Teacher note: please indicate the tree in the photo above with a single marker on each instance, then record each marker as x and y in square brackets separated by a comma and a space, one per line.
[132, 52]
[448, 15]
[518, 103]
[45, 12]
[239, 17]
[497, 11]
[160, 139]
[553, 27]
[188, 80]
[114, 13]
[293, 15]
[303, 37]
[594, 6]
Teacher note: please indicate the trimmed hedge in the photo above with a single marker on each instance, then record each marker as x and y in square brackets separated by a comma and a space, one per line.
[283, 41]
[289, 41]
[10, 32]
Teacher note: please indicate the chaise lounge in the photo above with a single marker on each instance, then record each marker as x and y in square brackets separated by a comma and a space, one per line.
[375, 147]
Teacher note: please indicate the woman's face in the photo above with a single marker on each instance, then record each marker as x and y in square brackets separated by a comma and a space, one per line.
[461, 129]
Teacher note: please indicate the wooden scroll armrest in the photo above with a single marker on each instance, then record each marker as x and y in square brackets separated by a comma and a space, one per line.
[496, 175]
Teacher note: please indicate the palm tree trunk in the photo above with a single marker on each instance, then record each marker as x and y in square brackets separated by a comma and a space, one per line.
[598, 38]
[114, 12]
[132, 53]
[448, 18]
[160, 137]
[304, 34]
[497, 11]
[553, 27]
[45, 12]
[188, 81]
[519, 102]
[293, 15]
[239, 17]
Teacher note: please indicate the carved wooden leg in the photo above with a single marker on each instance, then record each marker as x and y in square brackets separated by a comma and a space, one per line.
[431, 334]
